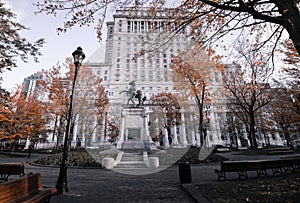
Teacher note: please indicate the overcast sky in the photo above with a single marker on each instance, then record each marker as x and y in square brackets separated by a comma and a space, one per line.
[57, 47]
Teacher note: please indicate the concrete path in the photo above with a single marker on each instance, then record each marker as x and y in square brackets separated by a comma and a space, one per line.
[101, 185]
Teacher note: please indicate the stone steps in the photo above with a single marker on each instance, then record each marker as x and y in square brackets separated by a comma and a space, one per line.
[132, 157]
[131, 160]
[131, 164]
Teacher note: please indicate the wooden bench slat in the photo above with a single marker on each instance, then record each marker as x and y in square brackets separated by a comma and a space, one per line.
[37, 196]
[26, 189]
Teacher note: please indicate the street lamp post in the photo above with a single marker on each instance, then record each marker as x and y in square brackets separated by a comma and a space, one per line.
[62, 182]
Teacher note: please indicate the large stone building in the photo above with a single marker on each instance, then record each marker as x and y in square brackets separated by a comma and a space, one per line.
[127, 36]
[119, 61]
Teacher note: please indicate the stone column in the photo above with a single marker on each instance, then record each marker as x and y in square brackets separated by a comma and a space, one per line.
[93, 140]
[192, 130]
[166, 136]
[184, 142]
[27, 144]
[245, 135]
[198, 140]
[74, 139]
[145, 126]
[83, 136]
[121, 133]
[174, 132]
[102, 131]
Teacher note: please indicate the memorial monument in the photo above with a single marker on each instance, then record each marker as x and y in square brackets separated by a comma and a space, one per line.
[134, 131]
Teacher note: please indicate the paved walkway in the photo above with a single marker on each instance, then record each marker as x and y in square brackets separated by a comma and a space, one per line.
[100, 185]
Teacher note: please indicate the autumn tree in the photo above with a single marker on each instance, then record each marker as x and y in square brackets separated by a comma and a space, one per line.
[168, 102]
[13, 45]
[56, 86]
[90, 102]
[5, 112]
[291, 72]
[282, 114]
[165, 106]
[248, 89]
[210, 20]
[90, 98]
[22, 118]
[285, 108]
[194, 73]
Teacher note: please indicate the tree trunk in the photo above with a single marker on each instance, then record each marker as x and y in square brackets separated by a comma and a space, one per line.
[201, 119]
[201, 129]
[252, 130]
[291, 20]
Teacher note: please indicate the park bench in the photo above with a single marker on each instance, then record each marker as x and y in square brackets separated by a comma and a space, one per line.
[7, 169]
[232, 166]
[278, 166]
[279, 150]
[26, 189]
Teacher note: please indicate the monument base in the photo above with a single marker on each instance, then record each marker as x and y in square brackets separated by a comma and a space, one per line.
[134, 132]
[136, 145]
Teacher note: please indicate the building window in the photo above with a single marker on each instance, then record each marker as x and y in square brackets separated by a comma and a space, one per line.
[128, 26]
[135, 26]
[142, 26]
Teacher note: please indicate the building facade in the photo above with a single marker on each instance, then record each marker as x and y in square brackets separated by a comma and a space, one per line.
[128, 36]
[136, 49]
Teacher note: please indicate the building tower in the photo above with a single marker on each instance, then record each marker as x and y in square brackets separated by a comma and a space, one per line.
[129, 34]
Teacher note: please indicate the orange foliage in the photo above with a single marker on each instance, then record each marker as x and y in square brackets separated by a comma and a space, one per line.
[23, 117]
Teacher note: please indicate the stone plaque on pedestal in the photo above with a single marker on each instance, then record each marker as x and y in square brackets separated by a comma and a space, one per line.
[134, 132]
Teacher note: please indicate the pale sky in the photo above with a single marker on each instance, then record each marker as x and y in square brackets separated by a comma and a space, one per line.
[56, 48]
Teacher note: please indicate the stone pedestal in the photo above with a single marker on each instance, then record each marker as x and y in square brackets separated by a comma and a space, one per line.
[153, 162]
[134, 132]
[108, 163]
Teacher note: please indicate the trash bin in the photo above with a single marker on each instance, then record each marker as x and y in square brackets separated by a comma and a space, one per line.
[185, 172]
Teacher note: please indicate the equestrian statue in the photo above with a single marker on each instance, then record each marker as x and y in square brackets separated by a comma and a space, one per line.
[133, 94]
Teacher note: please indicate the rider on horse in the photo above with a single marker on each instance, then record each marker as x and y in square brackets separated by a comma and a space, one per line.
[132, 93]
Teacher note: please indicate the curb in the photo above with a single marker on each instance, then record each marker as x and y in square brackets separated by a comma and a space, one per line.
[74, 167]
[196, 195]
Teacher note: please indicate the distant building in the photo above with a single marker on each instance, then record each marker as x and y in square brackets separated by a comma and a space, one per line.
[30, 87]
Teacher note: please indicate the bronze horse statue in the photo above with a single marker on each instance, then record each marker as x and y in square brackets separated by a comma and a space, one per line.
[132, 93]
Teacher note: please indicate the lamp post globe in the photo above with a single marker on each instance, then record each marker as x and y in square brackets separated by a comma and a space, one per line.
[62, 182]
[78, 56]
